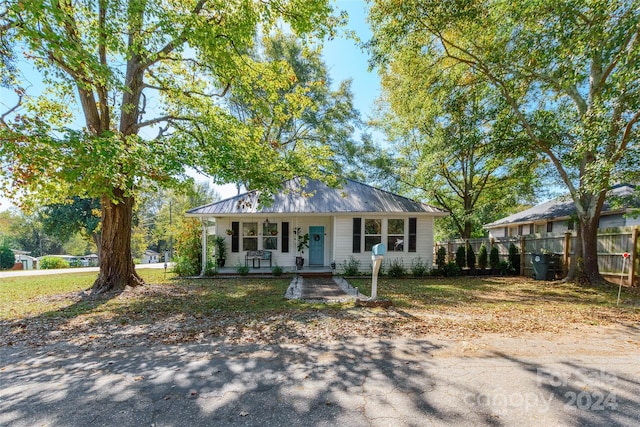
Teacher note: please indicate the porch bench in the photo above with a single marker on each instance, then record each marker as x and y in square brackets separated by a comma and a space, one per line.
[257, 255]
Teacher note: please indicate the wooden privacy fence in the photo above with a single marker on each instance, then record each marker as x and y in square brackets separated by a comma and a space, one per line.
[612, 244]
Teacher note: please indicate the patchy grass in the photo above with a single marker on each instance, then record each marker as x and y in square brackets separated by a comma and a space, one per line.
[46, 309]
[430, 293]
[23, 296]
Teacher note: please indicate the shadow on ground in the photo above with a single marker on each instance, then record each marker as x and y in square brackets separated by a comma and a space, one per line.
[362, 383]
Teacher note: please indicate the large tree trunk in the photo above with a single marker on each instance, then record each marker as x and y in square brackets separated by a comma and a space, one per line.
[117, 270]
[590, 270]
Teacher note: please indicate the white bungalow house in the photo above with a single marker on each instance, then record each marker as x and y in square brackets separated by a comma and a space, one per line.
[150, 257]
[556, 216]
[339, 223]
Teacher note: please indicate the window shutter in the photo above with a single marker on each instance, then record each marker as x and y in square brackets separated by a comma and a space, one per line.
[285, 237]
[357, 235]
[413, 234]
[235, 237]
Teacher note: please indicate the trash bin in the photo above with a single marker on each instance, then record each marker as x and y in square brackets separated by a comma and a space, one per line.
[555, 266]
[540, 266]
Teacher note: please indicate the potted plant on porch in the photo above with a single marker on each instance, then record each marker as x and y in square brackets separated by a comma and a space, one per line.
[303, 243]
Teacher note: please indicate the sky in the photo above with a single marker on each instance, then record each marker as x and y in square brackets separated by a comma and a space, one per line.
[344, 60]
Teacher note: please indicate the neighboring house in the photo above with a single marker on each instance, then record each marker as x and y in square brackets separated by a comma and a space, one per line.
[340, 223]
[150, 257]
[90, 260]
[557, 215]
[24, 261]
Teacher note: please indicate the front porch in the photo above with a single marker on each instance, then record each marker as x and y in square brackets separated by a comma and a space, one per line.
[267, 271]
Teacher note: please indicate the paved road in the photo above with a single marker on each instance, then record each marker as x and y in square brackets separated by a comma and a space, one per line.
[591, 381]
[365, 382]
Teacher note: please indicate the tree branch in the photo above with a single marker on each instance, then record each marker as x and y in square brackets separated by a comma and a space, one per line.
[20, 93]
[171, 46]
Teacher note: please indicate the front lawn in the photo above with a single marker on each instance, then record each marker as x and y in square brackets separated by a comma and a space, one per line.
[47, 309]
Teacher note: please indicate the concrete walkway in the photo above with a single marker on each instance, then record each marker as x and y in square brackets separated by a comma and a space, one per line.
[322, 289]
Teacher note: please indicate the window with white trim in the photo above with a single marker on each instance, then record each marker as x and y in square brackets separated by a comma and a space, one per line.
[395, 235]
[372, 233]
[270, 236]
[249, 236]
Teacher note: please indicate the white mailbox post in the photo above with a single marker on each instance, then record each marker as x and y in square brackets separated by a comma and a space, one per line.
[377, 254]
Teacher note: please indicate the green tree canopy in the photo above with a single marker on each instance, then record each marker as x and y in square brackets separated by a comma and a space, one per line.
[74, 216]
[454, 144]
[568, 70]
[148, 77]
[308, 111]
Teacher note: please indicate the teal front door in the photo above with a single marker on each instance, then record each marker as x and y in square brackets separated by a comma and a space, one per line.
[316, 245]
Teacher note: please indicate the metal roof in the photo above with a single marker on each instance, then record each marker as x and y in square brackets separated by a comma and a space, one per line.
[316, 197]
[559, 208]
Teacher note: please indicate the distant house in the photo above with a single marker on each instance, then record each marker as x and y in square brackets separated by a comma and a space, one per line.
[24, 261]
[340, 223]
[150, 257]
[557, 215]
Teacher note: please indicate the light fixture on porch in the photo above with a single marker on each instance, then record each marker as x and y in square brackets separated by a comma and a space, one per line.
[266, 221]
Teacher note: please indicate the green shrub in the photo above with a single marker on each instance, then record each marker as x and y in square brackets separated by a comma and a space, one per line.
[460, 257]
[242, 270]
[471, 258]
[210, 269]
[506, 268]
[188, 246]
[452, 269]
[441, 257]
[7, 258]
[185, 267]
[514, 258]
[52, 262]
[494, 258]
[483, 256]
[419, 268]
[351, 267]
[276, 270]
[396, 268]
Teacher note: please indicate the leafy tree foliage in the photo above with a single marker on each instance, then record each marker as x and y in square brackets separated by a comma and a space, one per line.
[188, 260]
[74, 216]
[309, 111]
[567, 70]
[7, 257]
[132, 66]
[161, 212]
[28, 234]
[454, 145]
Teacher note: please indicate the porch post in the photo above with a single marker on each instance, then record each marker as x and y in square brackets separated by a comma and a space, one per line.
[204, 247]
[334, 239]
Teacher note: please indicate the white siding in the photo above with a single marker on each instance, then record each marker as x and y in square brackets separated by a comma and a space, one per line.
[344, 243]
[286, 259]
[338, 240]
